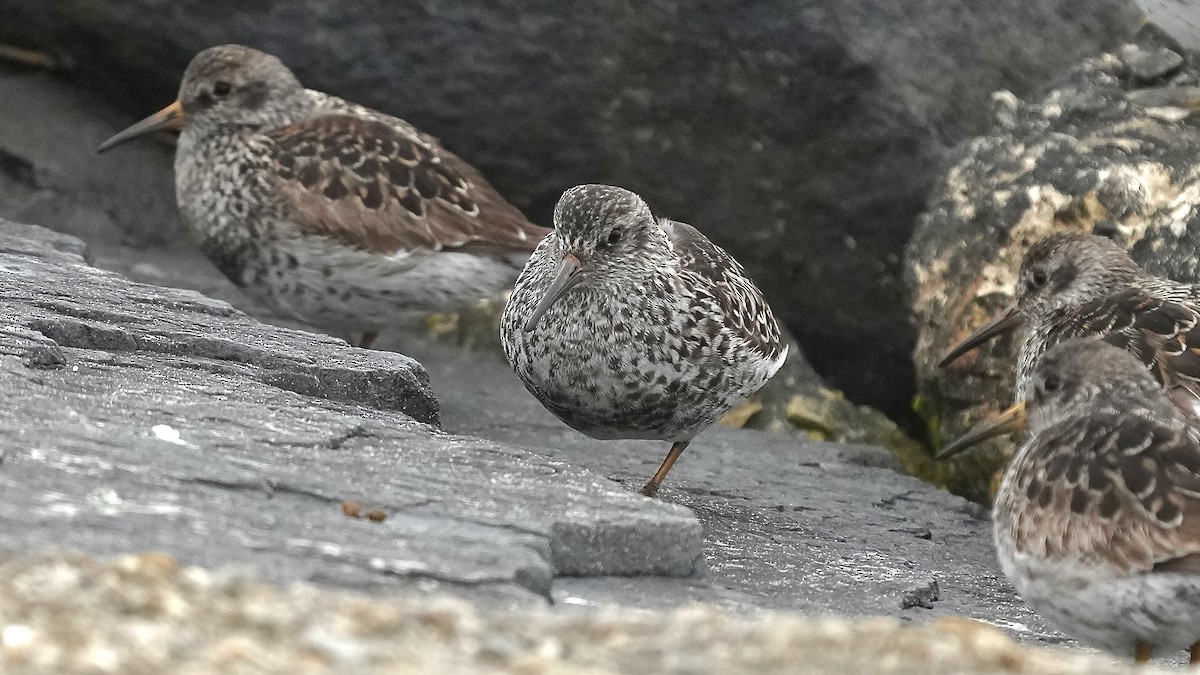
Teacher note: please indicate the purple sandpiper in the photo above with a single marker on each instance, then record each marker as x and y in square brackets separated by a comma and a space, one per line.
[629, 326]
[1083, 285]
[330, 212]
[1097, 519]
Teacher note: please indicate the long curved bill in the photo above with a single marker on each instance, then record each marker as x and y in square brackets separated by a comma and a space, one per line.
[1006, 321]
[170, 117]
[1006, 422]
[567, 276]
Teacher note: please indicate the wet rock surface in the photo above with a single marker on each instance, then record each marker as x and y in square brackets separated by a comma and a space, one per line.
[802, 136]
[1111, 149]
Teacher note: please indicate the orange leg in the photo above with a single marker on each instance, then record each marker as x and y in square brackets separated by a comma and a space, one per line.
[1194, 654]
[1142, 651]
[368, 339]
[651, 488]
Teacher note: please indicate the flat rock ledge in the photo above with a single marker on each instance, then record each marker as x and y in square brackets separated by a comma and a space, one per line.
[135, 417]
[144, 615]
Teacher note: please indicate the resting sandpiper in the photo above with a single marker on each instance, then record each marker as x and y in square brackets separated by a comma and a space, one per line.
[628, 326]
[1083, 285]
[333, 213]
[1097, 519]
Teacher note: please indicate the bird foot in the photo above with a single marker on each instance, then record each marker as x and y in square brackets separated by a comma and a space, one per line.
[650, 489]
[1142, 651]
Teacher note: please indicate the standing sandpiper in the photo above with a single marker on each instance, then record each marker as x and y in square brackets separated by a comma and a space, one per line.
[335, 214]
[1097, 520]
[1082, 285]
[628, 326]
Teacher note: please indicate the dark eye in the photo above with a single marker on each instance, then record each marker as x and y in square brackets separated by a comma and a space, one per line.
[222, 88]
[1039, 278]
[613, 237]
[1051, 384]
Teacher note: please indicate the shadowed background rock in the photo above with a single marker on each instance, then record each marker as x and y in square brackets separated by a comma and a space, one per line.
[801, 136]
[1082, 157]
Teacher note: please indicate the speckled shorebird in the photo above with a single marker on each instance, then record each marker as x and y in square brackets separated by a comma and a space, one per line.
[628, 326]
[1097, 519]
[335, 214]
[1082, 285]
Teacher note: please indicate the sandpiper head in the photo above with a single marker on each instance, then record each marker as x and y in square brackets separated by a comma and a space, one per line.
[1076, 374]
[230, 85]
[1069, 379]
[601, 231]
[1062, 271]
[1070, 269]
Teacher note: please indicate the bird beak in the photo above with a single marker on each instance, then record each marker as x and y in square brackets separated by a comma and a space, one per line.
[170, 117]
[1007, 321]
[1006, 422]
[568, 276]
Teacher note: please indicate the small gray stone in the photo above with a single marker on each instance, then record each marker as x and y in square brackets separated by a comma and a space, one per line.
[45, 355]
[922, 596]
[1147, 64]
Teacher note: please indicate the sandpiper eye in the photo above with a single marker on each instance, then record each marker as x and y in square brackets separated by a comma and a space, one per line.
[222, 88]
[1039, 278]
[613, 237]
[1051, 384]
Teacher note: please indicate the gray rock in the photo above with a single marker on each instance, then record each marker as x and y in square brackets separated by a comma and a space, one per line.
[800, 135]
[789, 525]
[178, 423]
[922, 595]
[1089, 155]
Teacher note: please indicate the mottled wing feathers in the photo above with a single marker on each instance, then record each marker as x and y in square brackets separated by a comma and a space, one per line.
[1164, 333]
[745, 309]
[1124, 490]
[371, 184]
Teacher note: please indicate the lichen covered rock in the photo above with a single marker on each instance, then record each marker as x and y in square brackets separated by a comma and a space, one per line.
[1110, 150]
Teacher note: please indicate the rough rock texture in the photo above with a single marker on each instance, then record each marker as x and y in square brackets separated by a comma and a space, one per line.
[1086, 157]
[142, 417]
[218, 625]
[144, 615]
[801, 135]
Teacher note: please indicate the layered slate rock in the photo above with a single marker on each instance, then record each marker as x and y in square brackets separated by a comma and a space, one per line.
[801, 135]
[1110, 150]
[136, 417]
